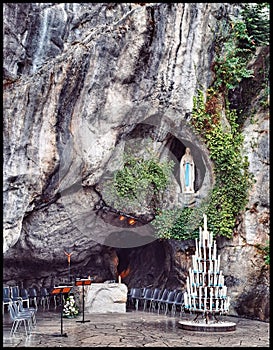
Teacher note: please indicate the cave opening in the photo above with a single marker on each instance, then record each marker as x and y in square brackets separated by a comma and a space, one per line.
[143, 266]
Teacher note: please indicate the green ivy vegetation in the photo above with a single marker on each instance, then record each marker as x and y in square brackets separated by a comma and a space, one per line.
[256, 18]
[230, 65]
[140, 184]
[265, 251]
[232, 178]
[223, 138]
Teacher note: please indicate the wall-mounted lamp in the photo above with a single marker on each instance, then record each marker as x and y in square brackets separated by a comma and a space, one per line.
[132, 221]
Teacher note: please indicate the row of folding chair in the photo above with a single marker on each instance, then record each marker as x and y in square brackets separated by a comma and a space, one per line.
[156, 299]
[21, 315]
[14, 294]
[29, 296]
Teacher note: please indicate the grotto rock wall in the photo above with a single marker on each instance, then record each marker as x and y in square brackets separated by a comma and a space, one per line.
[80, 79]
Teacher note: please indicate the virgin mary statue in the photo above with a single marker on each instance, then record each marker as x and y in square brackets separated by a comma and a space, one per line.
[187, 172]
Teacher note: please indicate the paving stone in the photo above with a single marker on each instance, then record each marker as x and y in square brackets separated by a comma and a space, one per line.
[131, 329]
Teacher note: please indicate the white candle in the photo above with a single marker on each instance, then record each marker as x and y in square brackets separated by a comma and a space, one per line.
[205, 222]
[206, 292]
[196, 265]
[192, 281]
[193, 261]
[119, 279]
[188, 285]
[200, 233]
[196, 248]
[209, 252]
[215, 266]
[218, 267]
[209, 278]
[190, 278]
[210, 239]
[186, 299]
[200, 302]
[220, 279]
[215, 278]
[214, 250]
[205, 252]
[210, 304]
[205, 304]
[194, 304]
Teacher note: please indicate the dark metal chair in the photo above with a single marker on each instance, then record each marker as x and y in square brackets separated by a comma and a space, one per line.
[25, 296]
[44, 297]
[147, 298]
[156, 297]
[6, 297]
[33, 295]
[162, 299]
[18, 319]
[129, 302]
[25, 311]
[15, 293]
[136, 295]
[178, 303]
[169, 301]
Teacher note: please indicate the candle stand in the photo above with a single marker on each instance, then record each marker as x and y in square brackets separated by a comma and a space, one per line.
[206, 293]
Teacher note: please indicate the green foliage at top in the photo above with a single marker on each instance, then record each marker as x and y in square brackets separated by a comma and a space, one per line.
[231, 63]
[256, 18]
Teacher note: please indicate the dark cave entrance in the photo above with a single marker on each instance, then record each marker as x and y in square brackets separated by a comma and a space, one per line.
[148, 265]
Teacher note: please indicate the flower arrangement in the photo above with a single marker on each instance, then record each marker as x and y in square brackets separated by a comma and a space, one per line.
[70, 309]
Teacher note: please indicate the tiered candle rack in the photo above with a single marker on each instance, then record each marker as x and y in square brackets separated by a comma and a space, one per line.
[206, 293]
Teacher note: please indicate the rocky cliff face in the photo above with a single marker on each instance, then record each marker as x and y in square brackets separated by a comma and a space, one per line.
[82, 84]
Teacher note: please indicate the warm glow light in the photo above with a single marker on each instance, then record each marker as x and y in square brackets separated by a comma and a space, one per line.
[121, 217]
[125, 273]
[132, 221]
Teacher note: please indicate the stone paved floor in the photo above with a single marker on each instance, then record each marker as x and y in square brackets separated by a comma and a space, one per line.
[132, 329]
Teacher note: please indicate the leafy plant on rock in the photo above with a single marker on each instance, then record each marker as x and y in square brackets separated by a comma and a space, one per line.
[139, 185]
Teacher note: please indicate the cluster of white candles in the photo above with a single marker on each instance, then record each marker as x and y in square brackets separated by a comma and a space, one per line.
[205, 284]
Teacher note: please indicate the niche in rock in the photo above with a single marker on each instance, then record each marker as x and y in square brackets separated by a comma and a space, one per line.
[151, 137]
